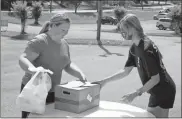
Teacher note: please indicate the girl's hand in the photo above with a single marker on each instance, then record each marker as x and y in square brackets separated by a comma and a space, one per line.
[129, 97]
[41, 69]
[101, 83]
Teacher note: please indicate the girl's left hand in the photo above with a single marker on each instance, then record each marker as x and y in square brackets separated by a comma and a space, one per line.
[129, 97]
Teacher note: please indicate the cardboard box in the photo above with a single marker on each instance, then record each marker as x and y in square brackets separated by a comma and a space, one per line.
[77, 97]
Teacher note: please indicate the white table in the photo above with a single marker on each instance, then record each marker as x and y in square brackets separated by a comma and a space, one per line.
[105, 109]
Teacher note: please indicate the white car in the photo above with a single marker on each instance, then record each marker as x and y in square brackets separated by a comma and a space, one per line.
[165, 10]
[164, 23]
[160, 15]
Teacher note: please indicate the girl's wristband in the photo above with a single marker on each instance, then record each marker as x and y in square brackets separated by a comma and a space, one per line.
[139, 93]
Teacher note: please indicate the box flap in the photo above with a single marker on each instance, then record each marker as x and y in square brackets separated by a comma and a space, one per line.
[77, 85]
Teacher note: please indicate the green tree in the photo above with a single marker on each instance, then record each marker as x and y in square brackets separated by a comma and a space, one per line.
[120, 12]
[122, 3]
[141, 2]
[36, 11]
[6, 4]
[159, 2]
[176, 16]
[165, 1]
[20, 9]
[75, 3]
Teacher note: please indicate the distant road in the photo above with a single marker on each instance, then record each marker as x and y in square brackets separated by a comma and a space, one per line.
[108, 10]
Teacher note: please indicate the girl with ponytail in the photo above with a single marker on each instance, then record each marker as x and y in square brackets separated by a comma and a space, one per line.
[45, 27]
[49, 50]
[145, 55]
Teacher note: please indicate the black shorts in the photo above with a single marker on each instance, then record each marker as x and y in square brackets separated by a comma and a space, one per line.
[164, 101]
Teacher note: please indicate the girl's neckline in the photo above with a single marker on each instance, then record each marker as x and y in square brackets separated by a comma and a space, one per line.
[135, 47]
[139, 44]
[50, 39]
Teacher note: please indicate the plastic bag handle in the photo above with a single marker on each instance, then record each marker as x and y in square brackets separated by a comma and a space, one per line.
[33, 77]
[48, 71]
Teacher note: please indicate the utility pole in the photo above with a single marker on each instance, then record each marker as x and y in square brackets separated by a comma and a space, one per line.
[142, 4]
[51, 6]
[99, 21]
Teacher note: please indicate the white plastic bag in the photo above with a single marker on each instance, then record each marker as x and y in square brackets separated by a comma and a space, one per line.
[33, 96]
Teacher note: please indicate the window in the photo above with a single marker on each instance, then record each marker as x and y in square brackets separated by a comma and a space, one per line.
[162, 14]
[168, 20]
[163, 20]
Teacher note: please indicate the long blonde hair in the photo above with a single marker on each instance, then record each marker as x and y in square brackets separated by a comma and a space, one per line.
[56, 19]
[131, 20]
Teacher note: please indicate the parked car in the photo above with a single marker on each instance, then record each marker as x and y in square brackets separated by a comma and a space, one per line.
[164, 23]
[160, 15]
[165, 10]
[109, 20]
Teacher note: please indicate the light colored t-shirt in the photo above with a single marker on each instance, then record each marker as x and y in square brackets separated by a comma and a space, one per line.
[52, 56]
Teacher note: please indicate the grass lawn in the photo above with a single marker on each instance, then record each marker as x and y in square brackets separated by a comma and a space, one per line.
[96, 65]
[81, 18]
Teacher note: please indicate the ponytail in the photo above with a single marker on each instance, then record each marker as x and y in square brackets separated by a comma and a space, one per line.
[45, 27]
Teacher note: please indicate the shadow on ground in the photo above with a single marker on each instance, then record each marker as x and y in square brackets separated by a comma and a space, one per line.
[110, 31]
[17, 36]
[106, 55]
[38, 25]
[107, 52]
[107, 30]
[177, 42]
[22, 37]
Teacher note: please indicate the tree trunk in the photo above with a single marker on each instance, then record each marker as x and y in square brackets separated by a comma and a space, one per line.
[159, 2]
[97, 6]
[99, 21]
[142, 4]
[51, 6]
[9, 5]
[166, 2]
[75, 10]
[22, 26]
[76, 7]
[36, 21]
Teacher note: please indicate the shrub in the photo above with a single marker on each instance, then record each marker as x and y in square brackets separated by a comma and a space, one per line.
[36, 11]
[176, 16]
[120, 12]
[20, 9]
